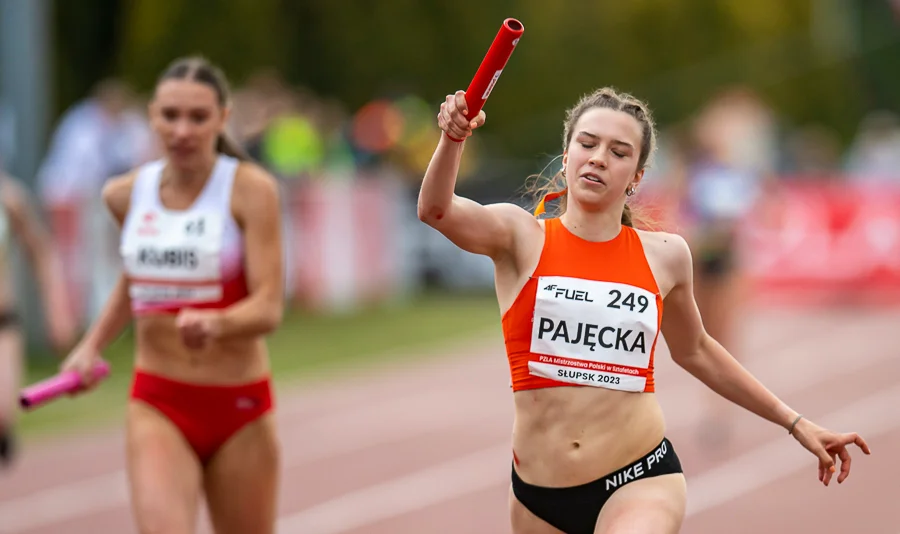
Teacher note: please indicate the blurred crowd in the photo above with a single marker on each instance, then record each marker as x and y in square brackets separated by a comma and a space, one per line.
[711, 166]
[293, 132]
[299, 135]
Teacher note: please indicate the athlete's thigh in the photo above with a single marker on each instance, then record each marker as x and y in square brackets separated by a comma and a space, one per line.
[164, 475]
[241, 480]
[525, 522]
[648, 506]
[11, 347]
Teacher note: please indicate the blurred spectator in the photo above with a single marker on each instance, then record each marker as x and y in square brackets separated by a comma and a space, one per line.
[813, 152]
[292, 146]
[334, 122]
[7, 134]
[875, 153]
[727, 155]
[254, 107]
[102, 136]
[739, 129]
[97, 138]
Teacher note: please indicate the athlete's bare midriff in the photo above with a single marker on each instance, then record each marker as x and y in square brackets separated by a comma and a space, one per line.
[571, 435]
[160, 351]
[566, 436]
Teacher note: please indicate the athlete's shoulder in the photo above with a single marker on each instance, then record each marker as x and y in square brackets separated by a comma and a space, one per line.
[660, 238]
[671, 248]
[255, 192]
[250, 176]
[116, 193]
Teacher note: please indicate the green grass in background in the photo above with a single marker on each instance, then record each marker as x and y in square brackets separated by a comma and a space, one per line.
[306, 346]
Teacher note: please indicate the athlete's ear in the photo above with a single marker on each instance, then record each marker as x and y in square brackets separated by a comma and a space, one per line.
[226, 113]
[638, 177]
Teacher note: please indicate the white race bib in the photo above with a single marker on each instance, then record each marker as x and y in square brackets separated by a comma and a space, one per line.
[175, 256]
[593, 333]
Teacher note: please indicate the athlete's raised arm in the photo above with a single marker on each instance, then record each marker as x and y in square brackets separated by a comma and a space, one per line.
[489, 230]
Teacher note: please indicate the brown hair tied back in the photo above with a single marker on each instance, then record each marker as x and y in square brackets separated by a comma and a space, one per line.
[199, 69]
[609, 98]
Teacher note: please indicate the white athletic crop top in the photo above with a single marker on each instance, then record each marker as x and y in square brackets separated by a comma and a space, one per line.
[183, 258]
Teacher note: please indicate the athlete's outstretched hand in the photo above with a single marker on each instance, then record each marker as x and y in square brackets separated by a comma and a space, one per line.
[828, 446]
[454, 119]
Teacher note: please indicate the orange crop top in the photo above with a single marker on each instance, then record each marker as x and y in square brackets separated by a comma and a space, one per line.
[589, 315]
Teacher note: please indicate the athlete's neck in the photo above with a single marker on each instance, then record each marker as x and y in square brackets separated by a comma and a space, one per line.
[596, 226]
[190, 177]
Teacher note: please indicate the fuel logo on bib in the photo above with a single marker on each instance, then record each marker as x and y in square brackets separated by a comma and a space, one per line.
[569, 294]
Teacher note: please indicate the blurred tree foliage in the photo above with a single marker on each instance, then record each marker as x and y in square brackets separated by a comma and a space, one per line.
[85, 36]
[675, 54]
[881, 67]
[239, 35]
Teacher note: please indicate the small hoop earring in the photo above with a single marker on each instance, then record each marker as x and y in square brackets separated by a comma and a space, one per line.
[563, 172]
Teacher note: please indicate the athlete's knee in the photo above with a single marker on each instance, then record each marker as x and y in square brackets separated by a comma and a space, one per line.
[155, 514]
[164, 523]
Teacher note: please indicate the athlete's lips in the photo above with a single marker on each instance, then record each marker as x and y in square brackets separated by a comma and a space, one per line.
[593, 177]
[181, 150]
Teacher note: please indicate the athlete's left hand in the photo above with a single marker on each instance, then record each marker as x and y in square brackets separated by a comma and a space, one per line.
[828, 446]
[198, 326]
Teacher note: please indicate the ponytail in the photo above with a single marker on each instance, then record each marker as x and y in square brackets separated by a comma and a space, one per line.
[226, 145]
[627, 216]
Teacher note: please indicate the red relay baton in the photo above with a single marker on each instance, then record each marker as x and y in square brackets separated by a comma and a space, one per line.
[491, 66]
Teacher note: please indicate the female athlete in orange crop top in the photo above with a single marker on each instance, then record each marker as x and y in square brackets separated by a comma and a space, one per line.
[202, 257]
[582, 297]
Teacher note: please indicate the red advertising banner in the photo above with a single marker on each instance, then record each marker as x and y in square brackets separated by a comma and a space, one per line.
[809, 241]
[825, 240]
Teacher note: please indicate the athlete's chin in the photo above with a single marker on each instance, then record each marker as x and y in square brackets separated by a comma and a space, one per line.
[184, 158]
[592, 201]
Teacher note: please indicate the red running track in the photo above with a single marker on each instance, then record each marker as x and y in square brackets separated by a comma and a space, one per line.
[423, 447]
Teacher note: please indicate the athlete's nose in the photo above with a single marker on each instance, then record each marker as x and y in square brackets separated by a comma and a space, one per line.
[182, 129]
[598, 159]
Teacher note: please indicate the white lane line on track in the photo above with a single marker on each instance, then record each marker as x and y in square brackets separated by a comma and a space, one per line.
[872, 416]
[433, 485]
[411, 416]
[417, 417]
[60, 504]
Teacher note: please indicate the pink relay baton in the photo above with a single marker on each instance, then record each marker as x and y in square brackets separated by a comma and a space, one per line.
[61, 384]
